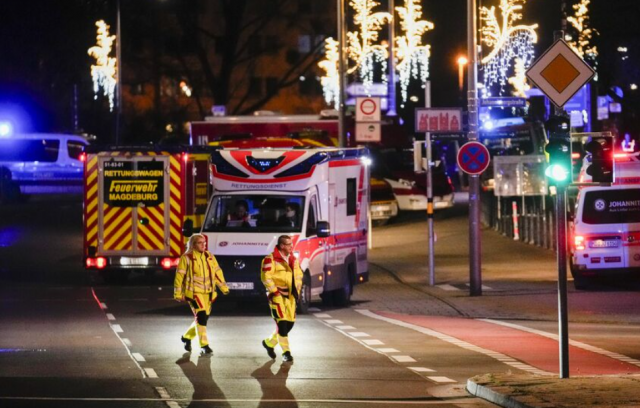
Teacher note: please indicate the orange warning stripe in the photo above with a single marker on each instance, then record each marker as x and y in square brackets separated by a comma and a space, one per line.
[91, 202]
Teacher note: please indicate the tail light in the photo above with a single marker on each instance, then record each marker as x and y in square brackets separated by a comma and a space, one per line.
[99, 262]
[83, 157]
[168, 263]
[578, 242]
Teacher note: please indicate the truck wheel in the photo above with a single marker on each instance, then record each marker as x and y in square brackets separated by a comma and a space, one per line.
[342, 296]
[305, 297]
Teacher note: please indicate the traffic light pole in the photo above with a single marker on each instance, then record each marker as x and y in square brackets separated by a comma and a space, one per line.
[563, 323]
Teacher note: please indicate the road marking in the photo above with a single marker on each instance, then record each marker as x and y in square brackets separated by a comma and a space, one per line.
[322, 315]
[387, 350]
[345, 327]
[173, 403]
[103, 306]
[314, 309]
[452, 340]
[421, 369]
[151, 372]
[358, 334]
[447, 287]
[584, 346]
[138, 357]
[163, 393]
[372, 342]
[334, 321]
[483, 286]
[442, 379]
[117, 328]
[127, 342]
[403, 359]
[110, 316]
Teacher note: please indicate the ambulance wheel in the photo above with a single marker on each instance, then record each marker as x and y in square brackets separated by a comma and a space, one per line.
[305, 296]
[342, 296]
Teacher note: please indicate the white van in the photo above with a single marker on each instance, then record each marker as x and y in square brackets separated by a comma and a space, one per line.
[605, 233]
[43, 163]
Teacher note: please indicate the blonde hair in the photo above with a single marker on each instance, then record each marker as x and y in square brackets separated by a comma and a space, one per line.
[192, 241]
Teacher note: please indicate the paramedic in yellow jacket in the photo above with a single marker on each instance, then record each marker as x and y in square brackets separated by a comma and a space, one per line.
[197, 277]
[282, 276]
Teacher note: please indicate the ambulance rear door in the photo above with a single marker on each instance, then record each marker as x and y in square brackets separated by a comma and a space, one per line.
[134, 210]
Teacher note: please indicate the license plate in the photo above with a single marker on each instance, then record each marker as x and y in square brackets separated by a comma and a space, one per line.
[600, 243]
[125, 260]
[240, 285]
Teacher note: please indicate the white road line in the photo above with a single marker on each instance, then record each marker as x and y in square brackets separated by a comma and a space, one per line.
[151, 372]
[421, 369]
[111, 316]
[127, 342]
[358, 334]
[387, 350]
[333, 321]
[116, 328]
[442, 379]
[345, 327]
[139, 357]
[403, 359]
[447, 287]
[322, 315]
[448, 339]
[372, 342]
[574, 343]
[163, 393]
[103, 306]
[173, 404]
[314, 309]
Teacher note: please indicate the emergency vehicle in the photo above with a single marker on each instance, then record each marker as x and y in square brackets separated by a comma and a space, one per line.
[605, 227]
[136, 203]
[318, 196]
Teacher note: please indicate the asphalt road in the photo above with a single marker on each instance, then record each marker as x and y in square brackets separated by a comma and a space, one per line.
[68, 339]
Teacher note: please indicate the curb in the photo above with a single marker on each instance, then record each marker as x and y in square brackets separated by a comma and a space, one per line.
[490, 395]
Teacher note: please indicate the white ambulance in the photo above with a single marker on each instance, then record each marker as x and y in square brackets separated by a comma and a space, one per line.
[318, 196]
[605, 230]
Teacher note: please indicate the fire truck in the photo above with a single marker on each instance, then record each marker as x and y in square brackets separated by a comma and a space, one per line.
[136, 202]
[318, 196]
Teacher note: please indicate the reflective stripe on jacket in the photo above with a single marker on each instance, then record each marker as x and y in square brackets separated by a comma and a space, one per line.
[187, 281]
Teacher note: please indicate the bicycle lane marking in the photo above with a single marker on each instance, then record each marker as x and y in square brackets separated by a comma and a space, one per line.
[496, 340]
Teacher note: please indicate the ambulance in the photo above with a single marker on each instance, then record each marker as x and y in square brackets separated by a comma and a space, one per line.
[318, 196]
[137, 200]
[605, 226]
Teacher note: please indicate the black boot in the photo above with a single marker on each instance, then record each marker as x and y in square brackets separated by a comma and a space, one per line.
[206, 351]
[270, 351]
[287, 357]
[187, 344]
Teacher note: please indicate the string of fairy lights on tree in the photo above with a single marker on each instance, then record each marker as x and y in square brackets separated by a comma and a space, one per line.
[104, 71]
[507, 42]
[362, 51]
[411, 54]
[582, 44]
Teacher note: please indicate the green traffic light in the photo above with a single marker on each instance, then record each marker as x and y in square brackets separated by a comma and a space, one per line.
[557, 172]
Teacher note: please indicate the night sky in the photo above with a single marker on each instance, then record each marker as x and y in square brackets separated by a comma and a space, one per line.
[43, 49]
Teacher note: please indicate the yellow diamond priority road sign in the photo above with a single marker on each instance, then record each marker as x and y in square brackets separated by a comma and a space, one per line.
[560, 73]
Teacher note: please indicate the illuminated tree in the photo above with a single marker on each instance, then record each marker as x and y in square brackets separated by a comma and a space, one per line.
[506, 41]
[519, 79]
[580, 22]
[330, 80]
[412, 55]
[104, 71]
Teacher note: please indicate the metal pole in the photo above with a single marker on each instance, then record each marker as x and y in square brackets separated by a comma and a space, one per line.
[475, 278]
[119, 76]
[341, 73]
[432, 269]
[391, 85]
[563, 326]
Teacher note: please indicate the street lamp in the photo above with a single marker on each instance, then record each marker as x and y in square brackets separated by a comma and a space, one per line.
[462, 61]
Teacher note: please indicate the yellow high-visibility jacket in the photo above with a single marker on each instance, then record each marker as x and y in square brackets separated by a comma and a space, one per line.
[198, 272]
[283, 281]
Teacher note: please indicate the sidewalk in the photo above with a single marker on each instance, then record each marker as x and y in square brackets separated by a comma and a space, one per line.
[522, 281]
[526, 390]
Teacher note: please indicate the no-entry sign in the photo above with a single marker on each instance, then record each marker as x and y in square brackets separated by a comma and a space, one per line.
[368, 109]
[473, 158]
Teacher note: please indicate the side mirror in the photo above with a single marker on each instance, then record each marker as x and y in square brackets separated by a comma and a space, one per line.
[323, 228]
[187, 228]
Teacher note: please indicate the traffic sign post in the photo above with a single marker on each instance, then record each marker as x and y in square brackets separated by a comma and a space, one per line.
[559, 73]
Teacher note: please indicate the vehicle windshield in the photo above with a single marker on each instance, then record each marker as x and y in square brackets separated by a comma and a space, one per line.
[255, 213]
[29, 150]
[611, 206]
